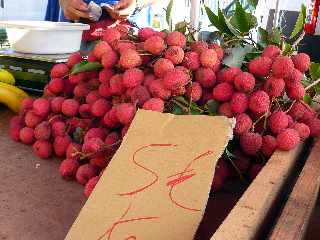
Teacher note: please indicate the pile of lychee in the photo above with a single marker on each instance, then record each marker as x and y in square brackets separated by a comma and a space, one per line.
[83, 117]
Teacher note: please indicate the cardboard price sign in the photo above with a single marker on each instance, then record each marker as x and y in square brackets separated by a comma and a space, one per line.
[158, 182]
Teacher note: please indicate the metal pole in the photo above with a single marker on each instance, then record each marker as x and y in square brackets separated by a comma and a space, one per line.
[276, 14]
[195, 13]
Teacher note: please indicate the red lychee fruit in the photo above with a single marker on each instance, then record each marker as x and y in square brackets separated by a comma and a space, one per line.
[194, 92]
[154, 45]
[282, 67]
[259, 102]
[68, 169]
[154, 104]
[99, 162]
[314, 126]
[26, 105]
[116, 85]
[302, 129]
[32, 120]
[56, 85]
[271, 52]
[269, 145]
[162, 66]
[250, 143]
[110, 35]
[223, 92]
[100, 107]
[228, 74]
[295, 91]
[92, 97]
[158, 90]
[175, 79]
[41, 107]
[140, 95]
[295, 77]
[244, 82]
[191, 61]
[56, 104]
[125, 113]
[225, 110]
[105, 75]
[73, 151]
[74, 59]
[85, 173]
[27, 136]
[96, 133]
[260, 66]
[274, 87]
[278, 121]
[70, 107]
[58, 129]
[239, 102]
[175, 54]
[81, 90]
[59, 71]
[14, 132]
[90, 185]
[104, 90]
[145, 33]
[42, 131]
[77, 78]
[132, 77]
[130, 59]
[206, 77]
[100, 49]
[301, 62]
[42, 149]
[209, 58]
[61, 144]
[109, 59]
[288, 139]
[243, 124]
[218, 49]
[199, 47]
[176, 39]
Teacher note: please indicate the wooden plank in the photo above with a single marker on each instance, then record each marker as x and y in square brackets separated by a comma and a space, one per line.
[246, 218]
[293, 221]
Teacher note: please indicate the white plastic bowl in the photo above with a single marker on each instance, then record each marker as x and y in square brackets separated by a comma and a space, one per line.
[42, 37]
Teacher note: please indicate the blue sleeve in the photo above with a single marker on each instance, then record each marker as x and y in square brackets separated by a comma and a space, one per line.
[53, 10]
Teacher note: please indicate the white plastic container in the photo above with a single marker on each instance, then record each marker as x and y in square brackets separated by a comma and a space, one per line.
[42, 37]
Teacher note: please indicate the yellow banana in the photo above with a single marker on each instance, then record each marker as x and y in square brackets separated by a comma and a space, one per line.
[10, 99]
[14, 89]
[6, 77]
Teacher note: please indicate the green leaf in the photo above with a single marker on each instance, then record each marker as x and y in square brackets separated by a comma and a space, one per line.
[240, 18]
[181, 27]
[253, 3]
[314, 71]
[275, 36]
[168, 13]
[301, 20]
[253, 22]
[237, 55]
[177, 110]
[214, 19]
[213, 106]
[223, 23]
[86, 67]
[307, 99]
[263, 37]
[287, 49]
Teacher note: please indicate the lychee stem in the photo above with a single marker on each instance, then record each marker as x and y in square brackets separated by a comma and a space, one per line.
[291, 106]
[312, 84]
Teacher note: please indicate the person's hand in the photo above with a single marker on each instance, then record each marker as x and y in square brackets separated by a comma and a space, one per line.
[74, 9]
[122, 9]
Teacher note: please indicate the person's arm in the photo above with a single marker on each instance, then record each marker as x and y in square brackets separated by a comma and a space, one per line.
[122, 5]
[74, 9]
